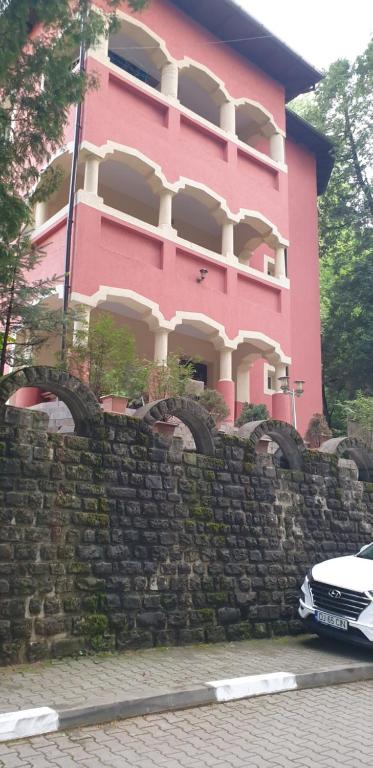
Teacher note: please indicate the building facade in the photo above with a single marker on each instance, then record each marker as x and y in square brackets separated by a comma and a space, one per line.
[191, 167]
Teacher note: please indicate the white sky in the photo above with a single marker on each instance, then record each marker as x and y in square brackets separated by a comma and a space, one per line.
[321, 31]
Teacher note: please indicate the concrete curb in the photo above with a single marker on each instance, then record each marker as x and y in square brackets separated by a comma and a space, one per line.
[40, 720]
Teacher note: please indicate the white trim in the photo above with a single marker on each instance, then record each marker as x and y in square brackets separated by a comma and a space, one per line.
[268, 371]
[156, 321]
[267, 260]
[188, 63]
[132, 22]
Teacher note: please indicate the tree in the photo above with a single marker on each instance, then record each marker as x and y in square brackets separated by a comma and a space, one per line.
[252, 412]
[359, 413]
[168, 380]
[25, 322]
[103, 353]
[342, 107]
[39, 40]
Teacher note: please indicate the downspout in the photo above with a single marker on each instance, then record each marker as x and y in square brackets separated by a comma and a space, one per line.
[71, 204]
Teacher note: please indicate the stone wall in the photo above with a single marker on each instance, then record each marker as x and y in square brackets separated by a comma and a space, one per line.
[120, 540]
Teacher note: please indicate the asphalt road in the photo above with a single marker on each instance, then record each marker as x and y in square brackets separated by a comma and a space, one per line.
[318, 728]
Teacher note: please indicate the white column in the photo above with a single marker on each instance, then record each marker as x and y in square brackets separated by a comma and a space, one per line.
[91, 170]
[81, 326]
[40, 214]
[170, 80]
[228, 117]
[280, 263]
[245, 256]
[102, 46]
[165, 209]
[243, 384]
[277, 148]
[225, 365]
[161, 346]
[227, 245]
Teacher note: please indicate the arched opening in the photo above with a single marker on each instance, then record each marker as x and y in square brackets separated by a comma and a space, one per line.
[128, 185]
[201, 93]
[288, 445]
[196, 217]
[196, 418]
[254, 126]
[60, 197]
[136, 51]
[254, 240]
[81, 402]
[354, 450]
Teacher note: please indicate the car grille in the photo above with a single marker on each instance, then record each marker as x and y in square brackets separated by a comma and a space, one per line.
[350, 604]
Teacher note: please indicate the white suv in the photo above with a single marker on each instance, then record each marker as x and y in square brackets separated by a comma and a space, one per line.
[337, 597]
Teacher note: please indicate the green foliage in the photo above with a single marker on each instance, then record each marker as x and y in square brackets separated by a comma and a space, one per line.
[343, 108]
[252, 412]
[168, 380]
[37, 88]
[25, 317]
[213, 401]
[105, 353]
[359, 413]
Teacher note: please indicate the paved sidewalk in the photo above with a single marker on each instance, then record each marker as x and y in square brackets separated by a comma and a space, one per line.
[106, 678]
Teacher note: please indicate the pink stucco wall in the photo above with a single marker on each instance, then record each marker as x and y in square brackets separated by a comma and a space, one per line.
[303, 266]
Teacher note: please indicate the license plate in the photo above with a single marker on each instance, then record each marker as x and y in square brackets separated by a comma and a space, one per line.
[331, 620]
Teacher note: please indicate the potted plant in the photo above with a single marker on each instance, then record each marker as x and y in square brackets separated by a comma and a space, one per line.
[168, 380]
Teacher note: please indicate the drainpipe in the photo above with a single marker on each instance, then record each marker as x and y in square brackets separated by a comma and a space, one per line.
[71, 203]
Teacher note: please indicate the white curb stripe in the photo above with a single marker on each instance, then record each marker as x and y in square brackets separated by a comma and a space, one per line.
[254, 685]
[27, 722]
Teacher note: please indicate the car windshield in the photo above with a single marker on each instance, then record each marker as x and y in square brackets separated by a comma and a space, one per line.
[367, 554]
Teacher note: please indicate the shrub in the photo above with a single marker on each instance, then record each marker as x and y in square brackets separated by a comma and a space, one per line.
[252, 412]
[215, 404]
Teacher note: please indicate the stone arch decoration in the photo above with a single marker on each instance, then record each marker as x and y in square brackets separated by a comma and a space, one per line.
[350, 448]
[282, 433]
[199, 421]
[83, 404]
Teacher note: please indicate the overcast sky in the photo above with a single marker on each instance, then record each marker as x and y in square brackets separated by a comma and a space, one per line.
[320, 30]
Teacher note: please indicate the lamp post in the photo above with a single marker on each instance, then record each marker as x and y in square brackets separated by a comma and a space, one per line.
[294, 392]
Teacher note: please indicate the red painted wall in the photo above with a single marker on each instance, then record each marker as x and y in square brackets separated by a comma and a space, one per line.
[303, 267]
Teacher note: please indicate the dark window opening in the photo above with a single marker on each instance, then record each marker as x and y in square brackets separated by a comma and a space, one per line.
[199, 372]
[133, 69]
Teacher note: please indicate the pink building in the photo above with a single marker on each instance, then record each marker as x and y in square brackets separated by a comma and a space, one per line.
[189, 161]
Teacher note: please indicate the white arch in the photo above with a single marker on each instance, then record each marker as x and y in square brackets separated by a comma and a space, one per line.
[266, 227]
[202, 322]
[261, 111]
[208, 80]
[272, 349]
[150, 311]
[151, 171]
[215, 203]
[146, 37]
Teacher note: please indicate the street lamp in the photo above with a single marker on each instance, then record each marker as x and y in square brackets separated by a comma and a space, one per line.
[294, 392]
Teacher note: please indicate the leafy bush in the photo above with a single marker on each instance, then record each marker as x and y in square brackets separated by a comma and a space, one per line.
[252, 412]
[215, 404]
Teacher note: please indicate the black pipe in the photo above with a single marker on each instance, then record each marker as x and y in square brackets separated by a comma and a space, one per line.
[71, 204]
